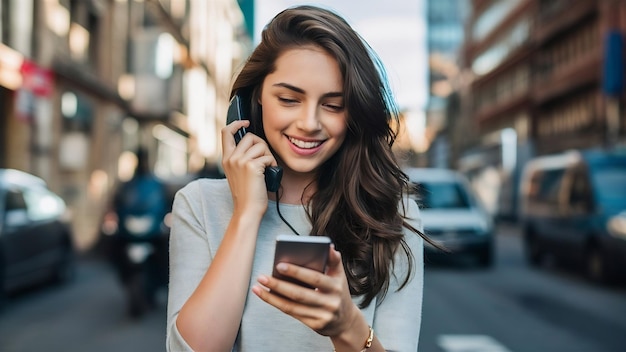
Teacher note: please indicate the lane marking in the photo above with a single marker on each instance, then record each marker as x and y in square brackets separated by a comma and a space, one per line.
[470, 343]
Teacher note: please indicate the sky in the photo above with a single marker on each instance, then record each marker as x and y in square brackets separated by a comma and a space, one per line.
[395, 29]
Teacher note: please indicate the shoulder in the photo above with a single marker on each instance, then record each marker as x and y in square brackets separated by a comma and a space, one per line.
[205, 190]
[411, 212]
[413, 240]
[204, 202]
[206, 185]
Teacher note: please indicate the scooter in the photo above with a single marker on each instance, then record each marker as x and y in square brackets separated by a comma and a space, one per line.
[139, 257]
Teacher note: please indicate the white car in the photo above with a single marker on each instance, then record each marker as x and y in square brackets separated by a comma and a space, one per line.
[452, 214]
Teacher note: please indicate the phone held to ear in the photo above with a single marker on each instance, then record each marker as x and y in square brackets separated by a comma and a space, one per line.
[307, 251]
[238, 111]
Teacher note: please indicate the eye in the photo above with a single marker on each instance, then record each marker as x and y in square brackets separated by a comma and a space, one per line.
[288, 101]
[334, 107]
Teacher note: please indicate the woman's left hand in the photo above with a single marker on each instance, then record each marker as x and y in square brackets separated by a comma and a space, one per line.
[328, 309]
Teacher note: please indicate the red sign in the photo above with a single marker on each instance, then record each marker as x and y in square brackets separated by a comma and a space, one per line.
[36, 79]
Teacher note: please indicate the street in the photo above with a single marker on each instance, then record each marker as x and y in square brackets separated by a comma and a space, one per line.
[509, 308]
[88, 314]
[513, 308]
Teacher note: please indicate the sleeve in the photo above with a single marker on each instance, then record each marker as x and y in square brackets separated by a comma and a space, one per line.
[190, 256]
[398, 317]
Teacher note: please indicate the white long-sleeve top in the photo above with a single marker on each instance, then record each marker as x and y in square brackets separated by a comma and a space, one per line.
[201, 213]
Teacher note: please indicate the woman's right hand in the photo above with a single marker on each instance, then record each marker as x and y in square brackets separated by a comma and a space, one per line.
[328, 310]
[244, 166]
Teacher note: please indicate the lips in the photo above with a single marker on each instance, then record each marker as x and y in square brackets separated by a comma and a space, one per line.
[305, 144]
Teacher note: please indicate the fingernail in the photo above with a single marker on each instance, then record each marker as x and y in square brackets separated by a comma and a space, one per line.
[281, 267]
[263, 279]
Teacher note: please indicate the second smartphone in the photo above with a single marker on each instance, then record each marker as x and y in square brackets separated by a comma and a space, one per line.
[307, 251]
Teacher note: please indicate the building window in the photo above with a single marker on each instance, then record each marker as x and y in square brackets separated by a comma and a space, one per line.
[16, 24]
[573, 115]
[491, 17]
[77, 111]
[574, 46]
[508, 86]
[84, 33]
[509, 42]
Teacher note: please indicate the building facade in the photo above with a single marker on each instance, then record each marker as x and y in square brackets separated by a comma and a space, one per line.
[545, 77]
[85, 82]
[445, 20]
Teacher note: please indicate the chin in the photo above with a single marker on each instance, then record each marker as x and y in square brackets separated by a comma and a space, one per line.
[301, 168]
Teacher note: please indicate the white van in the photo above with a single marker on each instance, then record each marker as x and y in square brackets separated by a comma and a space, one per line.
[452, 214]
[573, 209]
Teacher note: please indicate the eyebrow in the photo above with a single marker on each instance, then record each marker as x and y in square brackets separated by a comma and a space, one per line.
[302, 91]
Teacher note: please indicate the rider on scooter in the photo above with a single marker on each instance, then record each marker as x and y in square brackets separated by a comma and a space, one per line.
[139, 246]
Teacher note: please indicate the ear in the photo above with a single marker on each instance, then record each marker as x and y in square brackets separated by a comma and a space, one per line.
[259, 95]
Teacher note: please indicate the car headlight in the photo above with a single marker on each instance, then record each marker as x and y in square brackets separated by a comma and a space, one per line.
[617, 225]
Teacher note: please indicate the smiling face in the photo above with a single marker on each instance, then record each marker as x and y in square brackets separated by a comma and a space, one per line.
[304, 119]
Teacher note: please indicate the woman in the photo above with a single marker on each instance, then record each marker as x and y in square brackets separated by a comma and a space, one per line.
[320, 109]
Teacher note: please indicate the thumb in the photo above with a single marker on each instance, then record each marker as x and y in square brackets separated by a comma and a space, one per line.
[334, 261]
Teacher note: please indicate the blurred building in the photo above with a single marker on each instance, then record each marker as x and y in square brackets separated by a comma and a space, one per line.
[445, 20]
[84, 82]
[544, 77]
[572, 97]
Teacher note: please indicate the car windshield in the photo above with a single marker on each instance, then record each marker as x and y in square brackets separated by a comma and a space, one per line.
[441, 195]
[610, 184]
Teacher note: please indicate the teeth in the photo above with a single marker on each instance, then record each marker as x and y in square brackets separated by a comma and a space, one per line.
[303, 144]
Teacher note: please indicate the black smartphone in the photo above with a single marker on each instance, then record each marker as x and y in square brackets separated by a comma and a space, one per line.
[308, 251]
[238, 110]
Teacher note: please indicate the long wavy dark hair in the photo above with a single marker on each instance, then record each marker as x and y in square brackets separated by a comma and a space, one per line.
[360, 188]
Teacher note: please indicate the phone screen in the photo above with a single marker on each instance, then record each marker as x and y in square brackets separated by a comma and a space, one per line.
[307, 251]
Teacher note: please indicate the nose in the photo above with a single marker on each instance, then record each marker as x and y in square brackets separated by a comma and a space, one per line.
[309, 119]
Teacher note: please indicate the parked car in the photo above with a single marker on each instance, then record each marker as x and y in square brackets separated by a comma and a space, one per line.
[452, 214]
[35, 238]
[573, 208]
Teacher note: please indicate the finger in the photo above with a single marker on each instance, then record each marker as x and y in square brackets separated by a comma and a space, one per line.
[237, 124]
[267, 152]
[252, 139]
[294, 291]
[334, 256]
[228, 133]
[299, 308]
[258, 150]
[248, 148]
[253, 148]
[255, 165]
[335, 265]
[307, 276]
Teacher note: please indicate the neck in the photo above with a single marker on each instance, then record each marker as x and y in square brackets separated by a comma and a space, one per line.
[293, 188]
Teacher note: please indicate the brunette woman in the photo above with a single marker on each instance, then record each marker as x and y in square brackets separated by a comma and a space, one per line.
[320, 108]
